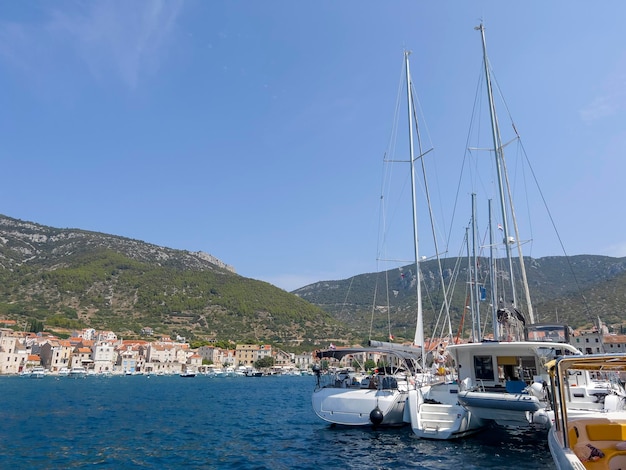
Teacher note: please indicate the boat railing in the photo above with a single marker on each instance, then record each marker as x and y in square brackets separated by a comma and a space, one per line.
[360, 380]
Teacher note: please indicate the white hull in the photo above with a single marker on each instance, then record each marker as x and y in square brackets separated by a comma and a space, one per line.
[352, 407]
[78, 372]
[38, 373]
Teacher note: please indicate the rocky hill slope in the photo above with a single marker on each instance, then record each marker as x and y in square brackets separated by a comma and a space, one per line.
[65, 279]
[69, 279]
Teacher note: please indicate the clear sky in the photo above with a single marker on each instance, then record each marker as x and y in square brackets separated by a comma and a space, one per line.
[254, 130]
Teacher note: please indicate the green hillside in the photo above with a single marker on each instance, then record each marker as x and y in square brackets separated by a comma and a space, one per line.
[68, 279]
[574, 290]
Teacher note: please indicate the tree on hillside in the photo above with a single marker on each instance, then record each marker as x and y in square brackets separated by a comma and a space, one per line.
[264, 362]
[36, 326]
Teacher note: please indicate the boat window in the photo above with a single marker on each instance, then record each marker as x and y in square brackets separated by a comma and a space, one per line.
[483, 367]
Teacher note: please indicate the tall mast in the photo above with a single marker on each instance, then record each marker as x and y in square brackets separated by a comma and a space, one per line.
[475, 330]
[475, 286]
[501, 173]
[419, 330]
[492, 279]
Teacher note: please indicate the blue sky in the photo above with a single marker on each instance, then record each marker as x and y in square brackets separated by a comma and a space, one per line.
[255, 130]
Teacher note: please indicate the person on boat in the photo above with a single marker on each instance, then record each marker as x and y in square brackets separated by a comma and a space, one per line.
[441, 358]
[373, 383]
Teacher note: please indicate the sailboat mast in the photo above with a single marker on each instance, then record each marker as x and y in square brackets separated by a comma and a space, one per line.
[497, 146]
[492, 278]
[520, 255]
[475, 286]
[419, 330]
[501, 170]
[475, 325]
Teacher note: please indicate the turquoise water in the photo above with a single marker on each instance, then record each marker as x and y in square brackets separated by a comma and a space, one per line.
[218, 423]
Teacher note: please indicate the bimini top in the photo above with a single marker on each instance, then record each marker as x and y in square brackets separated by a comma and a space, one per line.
[595, 362]
[408, 354]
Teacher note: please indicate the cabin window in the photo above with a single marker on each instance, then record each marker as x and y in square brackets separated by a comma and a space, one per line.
[483, 367]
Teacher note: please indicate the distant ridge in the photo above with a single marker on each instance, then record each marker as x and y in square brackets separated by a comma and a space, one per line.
[576, 290]
[25, 241]
[68, 279]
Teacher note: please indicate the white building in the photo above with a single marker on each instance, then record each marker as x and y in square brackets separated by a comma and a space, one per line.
[13, 353]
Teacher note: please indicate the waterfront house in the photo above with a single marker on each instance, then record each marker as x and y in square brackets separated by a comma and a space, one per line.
[246, 354]
[132, 355]
[32, 361]
[81, 357]
[104, 356]
[195, 361]
[56, 354]
[13, 352]
[282, 359]
[304, 360]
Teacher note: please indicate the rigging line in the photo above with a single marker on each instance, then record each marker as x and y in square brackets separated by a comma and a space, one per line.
[558, 236]
[345, 300]
[417, 105]
[467, 153]
[456, 271]
[373, 308]
[382, 233]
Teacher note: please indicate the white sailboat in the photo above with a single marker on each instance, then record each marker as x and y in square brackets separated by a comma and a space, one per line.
[346, 397]
[505, 378]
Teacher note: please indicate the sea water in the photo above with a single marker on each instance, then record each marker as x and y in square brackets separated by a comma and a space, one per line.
[219, 423]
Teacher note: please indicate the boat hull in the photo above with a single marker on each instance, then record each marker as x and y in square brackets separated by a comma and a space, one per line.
[441, 421]
[352, 407]
[564, 458]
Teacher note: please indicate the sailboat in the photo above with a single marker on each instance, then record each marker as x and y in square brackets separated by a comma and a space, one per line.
[348, 397]
[505, 378]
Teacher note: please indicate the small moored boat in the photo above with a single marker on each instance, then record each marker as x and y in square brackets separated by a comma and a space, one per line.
[188, 373]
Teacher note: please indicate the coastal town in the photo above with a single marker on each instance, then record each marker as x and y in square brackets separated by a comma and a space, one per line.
[102, 352]
[92, 352]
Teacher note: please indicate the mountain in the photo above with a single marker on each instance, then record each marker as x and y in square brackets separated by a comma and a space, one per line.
[575, 290]
[69, 279]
